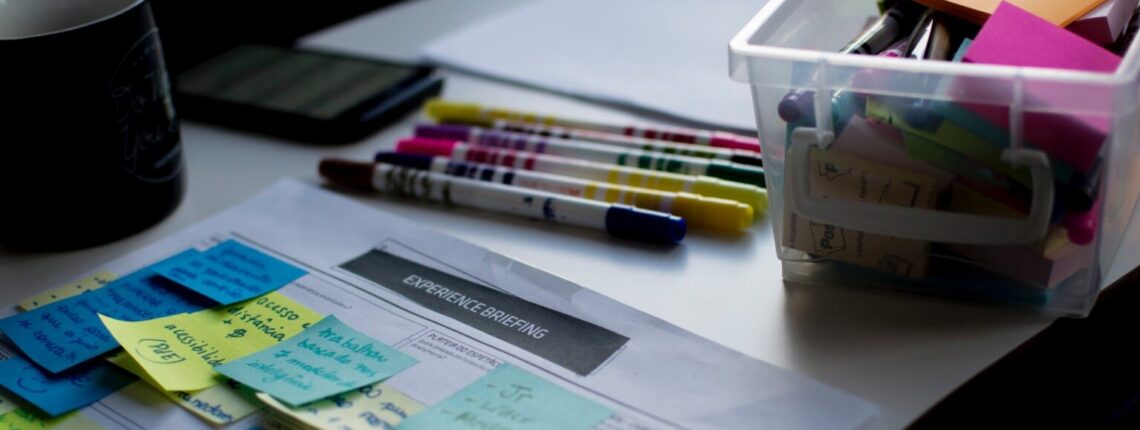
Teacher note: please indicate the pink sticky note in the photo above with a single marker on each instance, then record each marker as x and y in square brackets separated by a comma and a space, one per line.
[1014, 37]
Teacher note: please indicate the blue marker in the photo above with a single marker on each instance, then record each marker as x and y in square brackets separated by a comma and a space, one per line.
[618, 220]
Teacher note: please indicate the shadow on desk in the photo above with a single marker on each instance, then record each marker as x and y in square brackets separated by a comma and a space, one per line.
[1075, 374]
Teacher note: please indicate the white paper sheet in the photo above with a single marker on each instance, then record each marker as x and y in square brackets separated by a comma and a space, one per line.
[664, 56]
[662, 377]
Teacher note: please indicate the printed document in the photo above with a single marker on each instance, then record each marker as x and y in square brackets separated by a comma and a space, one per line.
[461, 312]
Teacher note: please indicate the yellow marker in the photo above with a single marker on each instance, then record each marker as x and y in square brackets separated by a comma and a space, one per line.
[179, 352]
[474, 114]
[90, 283]
[365, 407]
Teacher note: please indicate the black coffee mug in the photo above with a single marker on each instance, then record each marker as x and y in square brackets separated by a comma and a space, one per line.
[89, 143]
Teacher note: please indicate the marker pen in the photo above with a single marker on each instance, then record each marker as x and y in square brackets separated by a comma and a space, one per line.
[897, 21]
[618, 220]
[741, 156]
[597, 152]
[708, 213]
[750, 195]
[471, 113]
[935, 38]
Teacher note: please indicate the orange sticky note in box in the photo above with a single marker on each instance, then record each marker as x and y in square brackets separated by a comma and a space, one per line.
[1058, 12]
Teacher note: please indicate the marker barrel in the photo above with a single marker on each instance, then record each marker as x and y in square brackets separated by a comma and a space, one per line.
[608, 154]
[618, 220]
[751, 195]
[702, 212]
[741, 156]
[470, 113]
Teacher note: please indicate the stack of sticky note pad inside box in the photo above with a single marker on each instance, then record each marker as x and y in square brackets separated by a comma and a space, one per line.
[712, 180]
[936, 139]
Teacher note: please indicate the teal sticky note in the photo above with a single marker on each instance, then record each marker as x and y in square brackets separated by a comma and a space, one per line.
[68, 332]
[62, 392]
[326, 359]
[230, 272]
[510, 398]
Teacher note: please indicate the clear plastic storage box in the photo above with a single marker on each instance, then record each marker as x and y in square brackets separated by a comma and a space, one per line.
[884, 197]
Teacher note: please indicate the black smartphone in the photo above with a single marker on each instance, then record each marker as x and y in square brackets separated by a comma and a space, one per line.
[301, 94]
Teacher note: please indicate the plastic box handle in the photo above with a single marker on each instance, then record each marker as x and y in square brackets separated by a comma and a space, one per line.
[918, 223]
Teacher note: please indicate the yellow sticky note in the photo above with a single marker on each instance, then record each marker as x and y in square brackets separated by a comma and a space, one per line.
[370, 406]
[22, 419]
[179, 352]
[1059, 12]
[155, 352]
[220, 404]
[93, 282]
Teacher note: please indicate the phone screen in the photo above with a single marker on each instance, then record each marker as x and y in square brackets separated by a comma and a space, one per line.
[287, 80]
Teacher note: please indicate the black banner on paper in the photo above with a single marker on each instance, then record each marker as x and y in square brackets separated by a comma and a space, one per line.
[567, 341]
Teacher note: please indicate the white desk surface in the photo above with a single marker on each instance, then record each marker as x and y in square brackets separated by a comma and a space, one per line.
[902, 352]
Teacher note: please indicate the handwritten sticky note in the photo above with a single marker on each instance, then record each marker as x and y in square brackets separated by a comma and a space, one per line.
[230, 272]
[63, 392]
[328, 358]
[68, 332]
[510, 398]
[24, 419]
[90, 283]
[179, 352]
[368, 407]
[221, 404]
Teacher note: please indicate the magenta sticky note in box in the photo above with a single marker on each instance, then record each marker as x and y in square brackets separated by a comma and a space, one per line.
[1014, 37]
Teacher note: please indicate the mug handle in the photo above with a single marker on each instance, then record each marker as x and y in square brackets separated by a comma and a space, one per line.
[917, 223]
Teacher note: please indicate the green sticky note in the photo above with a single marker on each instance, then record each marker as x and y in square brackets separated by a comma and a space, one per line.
[326, 359]
[952, 136]
[509, 398]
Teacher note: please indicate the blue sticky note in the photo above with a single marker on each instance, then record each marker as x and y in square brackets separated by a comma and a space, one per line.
[510, 398]
[65, 333]
[230, 272]
[62, 392]
[326, 359]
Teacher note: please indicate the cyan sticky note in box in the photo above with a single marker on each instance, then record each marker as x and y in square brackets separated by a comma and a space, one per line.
[68, 332]
[326, 359]
[510, 398]
[63, 392]
[230, 272]
[1014, 37]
